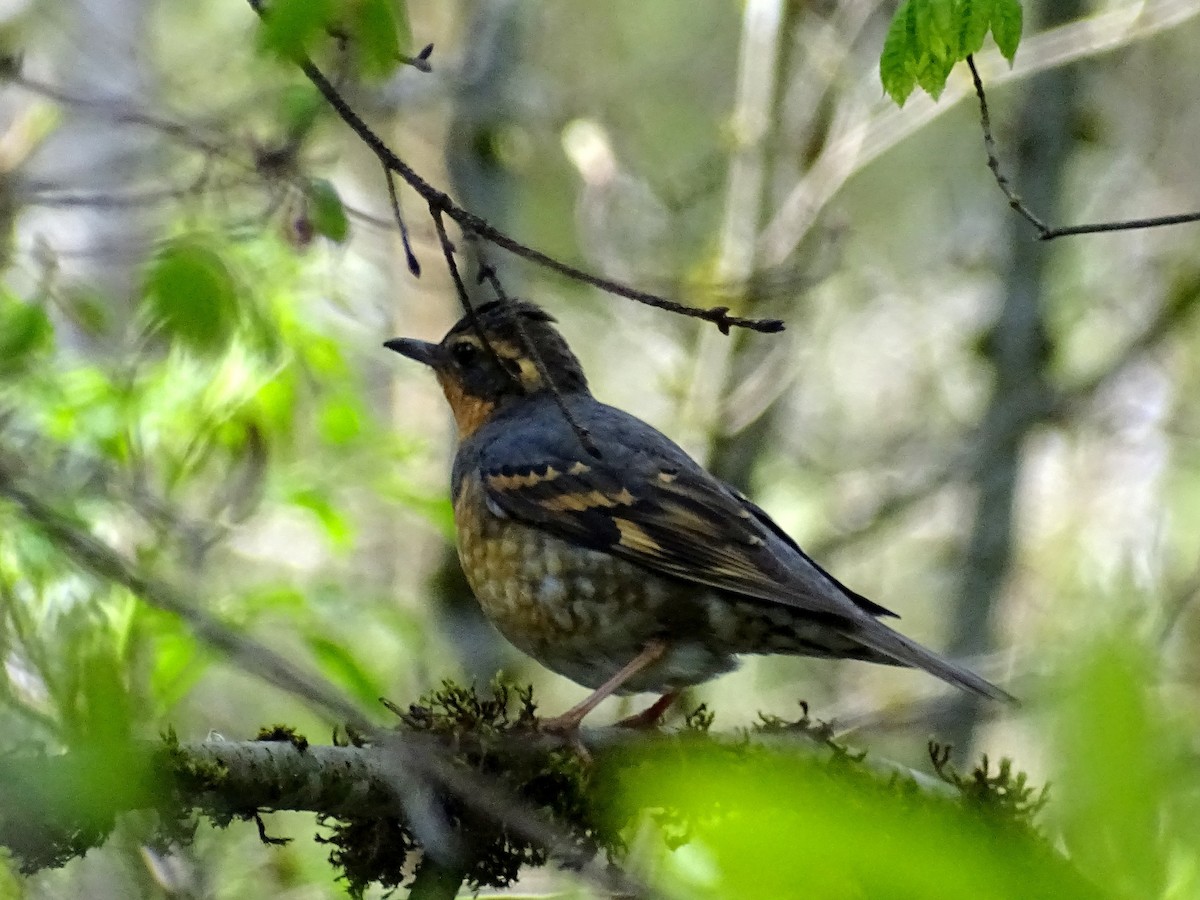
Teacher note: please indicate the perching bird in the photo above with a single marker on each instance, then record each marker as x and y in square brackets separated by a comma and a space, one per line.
[634, 570]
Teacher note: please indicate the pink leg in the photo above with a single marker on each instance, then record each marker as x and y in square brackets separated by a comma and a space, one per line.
[649, 717]
[569, 721]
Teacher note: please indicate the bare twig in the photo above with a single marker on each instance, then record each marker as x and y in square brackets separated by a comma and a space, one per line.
[448, 251]
[1122, 225]
[993, 160]
[409, 257]
[1045, 232]
[291, 774]
[440, 202]
[212, 146]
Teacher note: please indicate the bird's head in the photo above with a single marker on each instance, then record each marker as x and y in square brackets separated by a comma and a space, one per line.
[483, 363]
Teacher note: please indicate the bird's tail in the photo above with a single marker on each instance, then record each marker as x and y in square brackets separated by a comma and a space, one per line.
[906, 652]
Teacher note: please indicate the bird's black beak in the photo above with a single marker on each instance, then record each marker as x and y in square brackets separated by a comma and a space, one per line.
[421, 351]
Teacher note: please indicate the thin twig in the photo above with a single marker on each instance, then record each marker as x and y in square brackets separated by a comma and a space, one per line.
[448, 250]
[993, 159]
[1124, 225]
[439, 201]
[413, 265]
[215, 147]
[1045, 232]
[460, 287]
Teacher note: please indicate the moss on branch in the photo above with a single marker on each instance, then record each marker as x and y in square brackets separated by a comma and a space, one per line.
[376, 816]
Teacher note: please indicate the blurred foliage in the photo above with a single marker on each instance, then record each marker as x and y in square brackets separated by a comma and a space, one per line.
[219, 405]
[328, 214]
[1128, 784]
[376, 30]
[775, 824]
[1120, 821]
[192, 295]
[219, 411]
[781, 809]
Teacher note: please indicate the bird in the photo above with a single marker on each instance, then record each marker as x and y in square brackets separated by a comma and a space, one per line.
[596, 545]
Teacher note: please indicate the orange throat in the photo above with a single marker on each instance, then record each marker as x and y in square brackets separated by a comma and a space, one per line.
[469, 411]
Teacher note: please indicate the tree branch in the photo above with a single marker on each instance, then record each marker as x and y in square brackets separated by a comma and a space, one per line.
[59, 806]
[440, 203]
[1045, 232]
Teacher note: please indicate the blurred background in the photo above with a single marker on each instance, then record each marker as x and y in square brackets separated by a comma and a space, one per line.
[993, 436]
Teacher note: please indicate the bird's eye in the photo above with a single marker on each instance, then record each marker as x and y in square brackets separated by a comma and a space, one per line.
[465, 353]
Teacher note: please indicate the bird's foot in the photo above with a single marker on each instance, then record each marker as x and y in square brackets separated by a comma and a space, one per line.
[566, 729]
[652, 715]
[564, 725]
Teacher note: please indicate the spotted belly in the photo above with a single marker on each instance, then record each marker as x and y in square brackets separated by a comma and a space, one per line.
[580, 612]
[585, 614]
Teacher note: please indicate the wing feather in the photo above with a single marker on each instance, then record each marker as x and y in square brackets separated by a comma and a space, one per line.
[678, 522]
[647, 502]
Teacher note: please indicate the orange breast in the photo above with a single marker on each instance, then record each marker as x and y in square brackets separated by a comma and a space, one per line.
[469, 411]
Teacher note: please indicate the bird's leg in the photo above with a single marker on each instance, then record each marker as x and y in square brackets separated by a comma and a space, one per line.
[568, 722]
[650, 716]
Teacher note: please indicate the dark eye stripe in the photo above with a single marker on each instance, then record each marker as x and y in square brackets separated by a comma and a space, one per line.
[464, 352]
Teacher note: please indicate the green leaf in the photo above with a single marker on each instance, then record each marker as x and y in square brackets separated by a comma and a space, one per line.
[324, 356]
[927, 38]
[336, 526]
[895, 72]
[102, 711]
[1006, 26]
[275, 403]
[938, 27]
[973, 26]
[403, 29]
[192, 295]
[328, 214]
[339, 664]
[276, 599]
[25, 329]
[290, 27]
[178, 665]
[933, 74]
[299, 106]
[340, 421]
[376, 35]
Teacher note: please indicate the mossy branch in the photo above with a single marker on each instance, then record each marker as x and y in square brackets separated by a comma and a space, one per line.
[59, 806]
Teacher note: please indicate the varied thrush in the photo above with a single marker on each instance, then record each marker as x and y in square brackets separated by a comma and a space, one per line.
[624, 566]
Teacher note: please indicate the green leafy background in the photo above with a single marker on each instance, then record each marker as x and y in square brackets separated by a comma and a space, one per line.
[216, 404]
